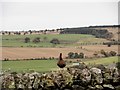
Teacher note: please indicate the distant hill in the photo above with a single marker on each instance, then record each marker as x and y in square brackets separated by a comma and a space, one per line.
[107, 32]
[105, 26]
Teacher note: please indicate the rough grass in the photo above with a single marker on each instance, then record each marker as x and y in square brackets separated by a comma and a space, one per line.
[65, 39]
[108, 60]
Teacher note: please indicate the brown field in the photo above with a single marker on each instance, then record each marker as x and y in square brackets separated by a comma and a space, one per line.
[27, 53]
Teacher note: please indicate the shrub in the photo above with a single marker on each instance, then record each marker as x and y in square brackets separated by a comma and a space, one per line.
[112, 53]
[70, 55]
[106, 54]
[81, 55]
[36, 40]
[27, 39]
[76, 55]
[6, 59]
[102, 52]
[55, 41]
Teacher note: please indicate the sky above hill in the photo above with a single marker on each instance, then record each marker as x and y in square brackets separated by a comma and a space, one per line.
[52, 15]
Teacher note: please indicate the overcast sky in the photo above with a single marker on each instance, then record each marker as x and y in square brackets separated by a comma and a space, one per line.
[49, 15]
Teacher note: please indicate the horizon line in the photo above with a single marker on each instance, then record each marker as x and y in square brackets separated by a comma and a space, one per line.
[63, 28]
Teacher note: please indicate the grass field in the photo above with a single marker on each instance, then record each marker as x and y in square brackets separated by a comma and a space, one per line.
[37, 65]
[65, 39]
[108, 60]
[47, 65]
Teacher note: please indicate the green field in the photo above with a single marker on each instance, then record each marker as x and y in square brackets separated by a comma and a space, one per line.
[108, 60]
[47, 65]
[37, 65]
[65, 40]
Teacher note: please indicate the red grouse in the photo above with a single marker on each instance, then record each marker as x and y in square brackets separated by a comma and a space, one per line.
[61, 63]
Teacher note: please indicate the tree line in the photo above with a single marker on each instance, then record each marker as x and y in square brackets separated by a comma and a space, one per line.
[98, 33]
[74, 55]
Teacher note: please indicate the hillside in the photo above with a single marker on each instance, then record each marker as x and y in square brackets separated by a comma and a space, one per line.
[14, 46]
[107, 32]
[64, 39]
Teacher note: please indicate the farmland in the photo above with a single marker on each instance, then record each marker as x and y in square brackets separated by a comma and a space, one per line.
[47, 65]
[37, 65]
[29, 52]
[65, 40]
[103, 61]
[14, 48]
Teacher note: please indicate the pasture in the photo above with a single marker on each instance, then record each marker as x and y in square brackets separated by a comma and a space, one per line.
[105, 61]
[47, 65]
[65, 40]
[14, 47]
[26, 65]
